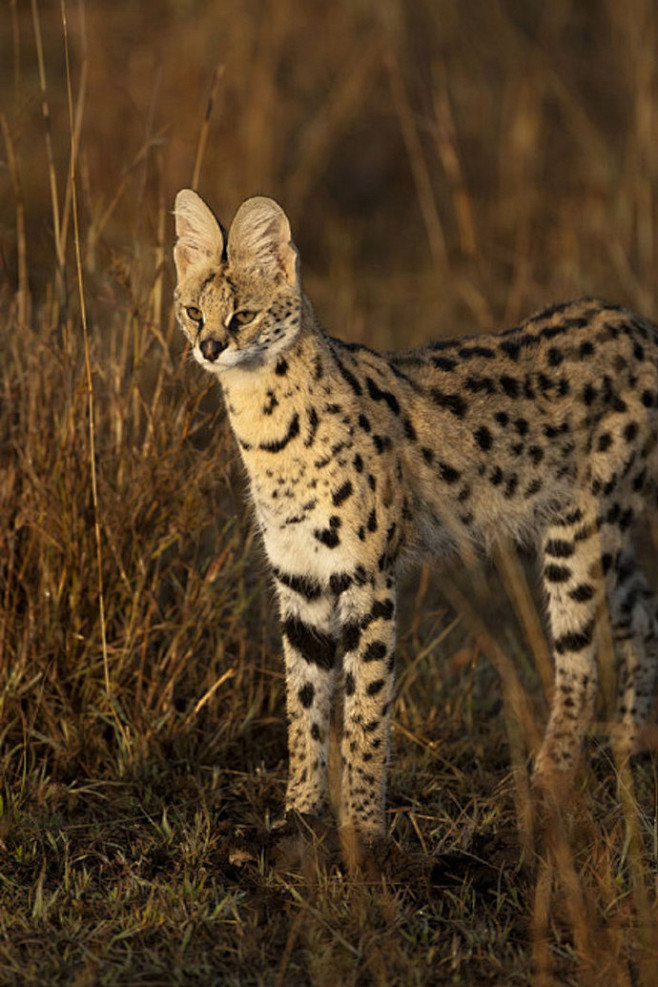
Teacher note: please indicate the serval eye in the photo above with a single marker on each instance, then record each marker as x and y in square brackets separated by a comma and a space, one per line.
[194, 313]
[239, 319]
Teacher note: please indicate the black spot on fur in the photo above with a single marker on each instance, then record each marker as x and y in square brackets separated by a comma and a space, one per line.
[313, 422]
[339, 582]
[626, 519]
[581, 593]
[511, 485]
[480, 385]
[349, 377]
[306, 695]
[575, 640]
[375, 651]
[483, 437]
[557, 573]
[309, 588]
[448, 473]
[589, 394]
[559, 548]
[383, 609]
[377, 394]
[314, 646]
[454, 403]
[342, 494]
[553, 431]
[630, 431]
[510, 386]
[409, 430]
[467, 351]
[444, 363]
[511, 349]
[381, 443]
[276, 445]
[350, 636]
[327, 536]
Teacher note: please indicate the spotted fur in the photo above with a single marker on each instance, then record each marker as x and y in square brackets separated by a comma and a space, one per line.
[545, 433]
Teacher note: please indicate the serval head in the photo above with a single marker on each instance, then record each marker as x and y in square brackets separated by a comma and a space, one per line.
[238, 297]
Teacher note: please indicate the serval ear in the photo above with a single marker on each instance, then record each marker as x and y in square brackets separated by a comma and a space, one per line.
[200, 238]
[260, 238]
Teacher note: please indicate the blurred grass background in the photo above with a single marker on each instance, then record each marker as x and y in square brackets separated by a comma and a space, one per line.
[448, 168]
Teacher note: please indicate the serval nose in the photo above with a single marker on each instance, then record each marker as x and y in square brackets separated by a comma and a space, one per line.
[211, 348]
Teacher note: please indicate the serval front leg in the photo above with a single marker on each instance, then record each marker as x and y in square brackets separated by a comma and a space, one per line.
[366, 615]
[309, 647]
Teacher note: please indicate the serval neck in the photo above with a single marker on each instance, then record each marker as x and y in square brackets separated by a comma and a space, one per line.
[266, 403]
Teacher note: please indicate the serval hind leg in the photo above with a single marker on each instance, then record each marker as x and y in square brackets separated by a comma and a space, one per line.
[591, 576]
[634, 610]
[575, 594]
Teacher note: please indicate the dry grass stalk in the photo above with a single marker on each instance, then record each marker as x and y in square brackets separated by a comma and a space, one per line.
[85, 334]
[418, 163]
[23, 290]
[447, 145]
[47, 132]
[205, 126]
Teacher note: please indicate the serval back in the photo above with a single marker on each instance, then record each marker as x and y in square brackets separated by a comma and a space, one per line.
[545, 433]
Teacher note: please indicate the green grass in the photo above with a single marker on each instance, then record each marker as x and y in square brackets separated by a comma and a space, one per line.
[447, 167]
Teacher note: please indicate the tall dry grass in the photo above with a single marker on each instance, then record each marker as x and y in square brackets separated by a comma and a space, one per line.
[447, 167]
